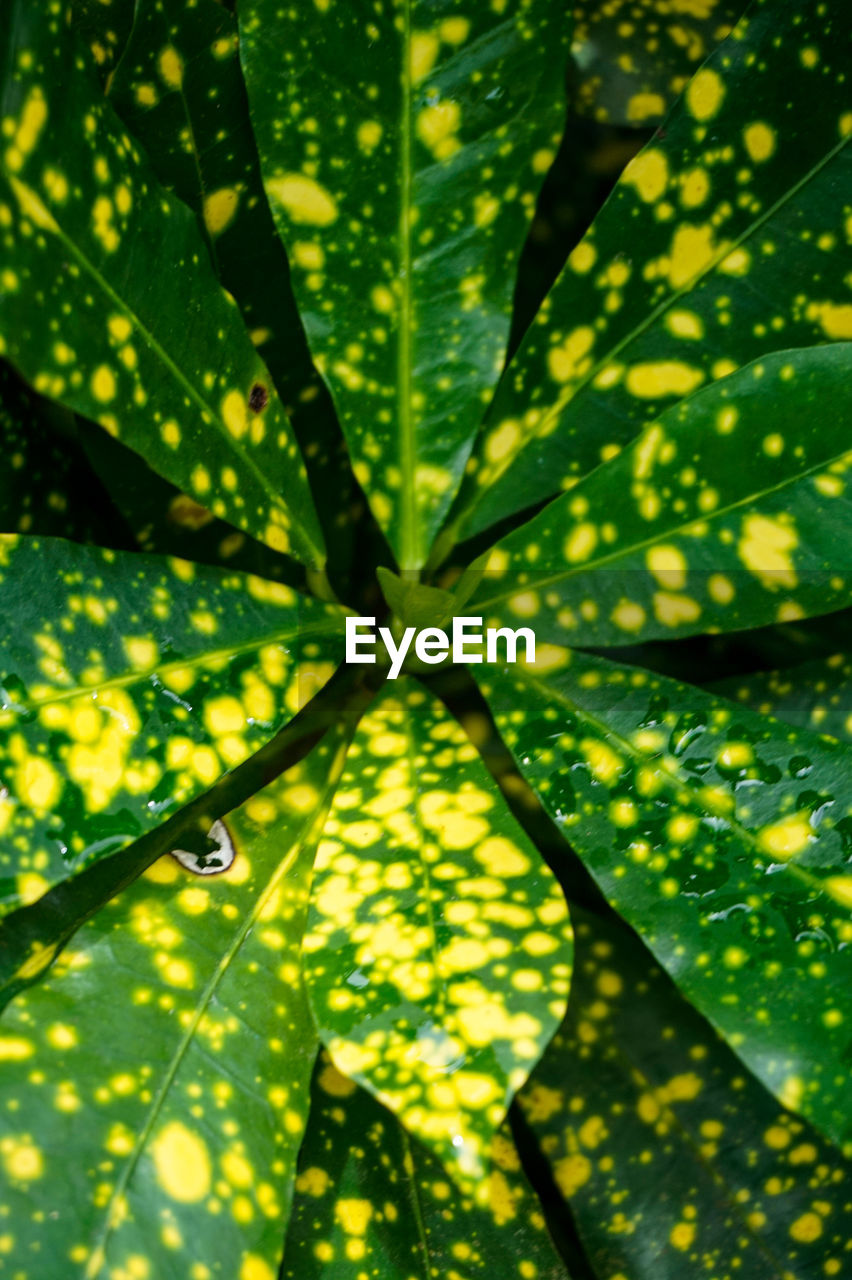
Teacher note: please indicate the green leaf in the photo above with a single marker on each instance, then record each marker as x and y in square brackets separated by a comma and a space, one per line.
[633, 57]
[130, 327]
[216, 171]
[438, 951]
[731, 511]
[129, 684]
[726, 238]
[105, 28]
[369, 1197]
[816, 695]
[637, 1092]
[166, 1060]
[404, 252]
[723, 837]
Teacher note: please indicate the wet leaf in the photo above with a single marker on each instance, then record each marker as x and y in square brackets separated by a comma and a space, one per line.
[129, 684]
[131, 328]
[166, 1060]
[404, 254]
[725, 239]
[367, 1196]
[722, 837]
[216, 171]
[816, 695]
[633, 57]
[437, 957]
[674, 1160]
[731, 511]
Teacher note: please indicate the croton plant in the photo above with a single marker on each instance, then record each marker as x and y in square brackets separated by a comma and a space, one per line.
[529, 962]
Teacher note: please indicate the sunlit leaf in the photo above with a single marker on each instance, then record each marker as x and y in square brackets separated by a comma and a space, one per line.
[166, 1060]
[129, 326]
[633, 57]
[816, 695]
[731, 511]
[674, 1160]
[723, 837]
[404, 251]
[129, 684]
[367, 1196]
[438, 951]
[727, 238]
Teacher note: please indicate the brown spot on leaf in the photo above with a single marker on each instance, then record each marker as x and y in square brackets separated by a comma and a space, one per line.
[258, 398]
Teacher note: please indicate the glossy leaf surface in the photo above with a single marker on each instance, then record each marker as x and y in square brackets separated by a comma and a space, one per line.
[367, 1196]
[167, 1059]
[816, 695]
[129, 684]
[674, 1160]
[438, 951]
[131, 329]
[725, 239]
[404, 251]
[722, 837]
[633, 57]
[731, 511]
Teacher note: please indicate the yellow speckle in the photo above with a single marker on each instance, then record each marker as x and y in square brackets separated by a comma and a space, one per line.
[369, 134]
[142, 652]
[645, 106]
[765, 548]
[580, 543]
[424, 53]
[437, 126]
[836, 321]
[503, 441]
[219, 209]
[37, 783]
[704, 94]
[454, 30]
[668, 565]
[256, 1268]
[182, 1163]
[120, 328]
[354, 1215]
[103, 384]
[759, 141]
[787, 838]
[685, 324]
[663, 378]
[568, 359]
[485, 209]
[806, 1228]
[235, 414]
[61, 1036]
[170, 64]
[382, 299]
[304, 199]
[21, 1158]
[691, 252]
[583, 258]
[682, 1235]
[649, 174]
[224, 715]
[628, 615]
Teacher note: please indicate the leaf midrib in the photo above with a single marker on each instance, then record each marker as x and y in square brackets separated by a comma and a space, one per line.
[407, 451]
[669, 532]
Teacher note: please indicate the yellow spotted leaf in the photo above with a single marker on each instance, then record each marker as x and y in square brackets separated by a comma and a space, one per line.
[723, 837]
[129, 684]
[438, 951]
[402, 147]
[132, 329]
[165, 1062]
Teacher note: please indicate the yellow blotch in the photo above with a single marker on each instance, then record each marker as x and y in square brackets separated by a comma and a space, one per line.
[119, 327]
[695, 188]
[454, 30]
[692, 250]
[759, 141]
[571, 1173]
[382, 299]
[182, 1163]
[256, 1268]
[502, 858]
[787, 838]
[806, 1228]
[141, 651]
[15, 1049]
[354, 1215]
[668, 565]
[628, 615]
[61, 1036]
[649, 174]
[764, 549]
[836, 321]
[503, 441]
[566, 360]
[369, 134]
[704, 94]
[103, 384]
[306, 201]
[675, 610]
[485, 209]
[37, 783]
[663, 378]
[423, 54]
[170, 65]
[581, 542]
[224, 715]
[235, 415]
[22, 1159]
[313, 1181]
[685, 324]
[645, 106]
[437, 126]
[682, 1235]
[604, 763]
[583, 258]
[220, 208]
